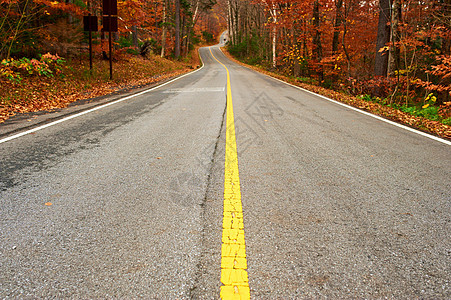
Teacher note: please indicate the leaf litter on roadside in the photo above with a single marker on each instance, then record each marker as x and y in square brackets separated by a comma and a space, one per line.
[47, 94]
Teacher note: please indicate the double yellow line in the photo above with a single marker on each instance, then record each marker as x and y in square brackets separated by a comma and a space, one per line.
[233, 253]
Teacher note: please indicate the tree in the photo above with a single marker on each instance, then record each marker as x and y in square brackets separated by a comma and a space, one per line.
[394, 51]
[163, 34]
[318, 49]
[337, 25]
[383, 38]
[272, 7]
[177, 29]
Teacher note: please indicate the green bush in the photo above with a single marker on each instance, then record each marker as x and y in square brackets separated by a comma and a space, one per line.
[208, 36]
[237, 50]
[254, 61]
[307, 80]
[367, 97]
[48, 65]
[327, 83]
[429, 112]
[195, 40]
[125, 42]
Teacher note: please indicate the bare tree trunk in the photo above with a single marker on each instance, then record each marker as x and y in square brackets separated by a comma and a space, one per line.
[274, 40]
[383, 37]
[317, 40]
[135, 36]
[70, 17]
[273, 12]
[163, 35]
[298, 44]
[394, 55]
[304, 40]
[184, 41]
[343, 43]
[230, 22]
[338, 22]
[236, 15]
[177, 29]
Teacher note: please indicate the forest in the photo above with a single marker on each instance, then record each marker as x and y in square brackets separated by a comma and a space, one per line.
[32, 27]
[393, 52]
[45, 57]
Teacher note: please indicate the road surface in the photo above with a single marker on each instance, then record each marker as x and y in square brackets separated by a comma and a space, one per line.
[127, 201]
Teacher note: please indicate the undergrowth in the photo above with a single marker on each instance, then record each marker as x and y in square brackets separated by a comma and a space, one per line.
[429, 110]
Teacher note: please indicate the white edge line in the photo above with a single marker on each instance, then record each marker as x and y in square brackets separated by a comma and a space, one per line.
[360, 111]
[96, 108]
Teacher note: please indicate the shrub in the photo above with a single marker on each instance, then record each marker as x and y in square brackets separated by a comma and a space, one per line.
[208, 37]
[48, 65]
[148, 47]
[237, 50]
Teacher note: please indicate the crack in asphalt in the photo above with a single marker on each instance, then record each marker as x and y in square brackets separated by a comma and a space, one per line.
[193, 292]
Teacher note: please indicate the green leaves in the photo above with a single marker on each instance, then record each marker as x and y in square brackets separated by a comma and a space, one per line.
[15, 69]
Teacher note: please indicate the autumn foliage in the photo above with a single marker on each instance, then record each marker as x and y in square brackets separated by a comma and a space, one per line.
[332, 43]
[47, 92]
[32, 27]
[395, 53]
[44, 50]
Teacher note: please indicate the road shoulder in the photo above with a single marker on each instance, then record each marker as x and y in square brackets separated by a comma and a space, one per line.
[27, 121]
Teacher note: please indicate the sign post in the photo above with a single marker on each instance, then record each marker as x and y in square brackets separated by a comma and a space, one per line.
[110, 25]
[111, 50]
[90, 25]
[90, 49]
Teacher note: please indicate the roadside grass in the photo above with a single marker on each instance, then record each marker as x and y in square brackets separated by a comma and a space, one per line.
[429, 110]
[76, 82]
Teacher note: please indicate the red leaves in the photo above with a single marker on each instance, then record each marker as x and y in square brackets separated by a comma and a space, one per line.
[55, 6]
[396, 115]
[42, 93]
[443, 71]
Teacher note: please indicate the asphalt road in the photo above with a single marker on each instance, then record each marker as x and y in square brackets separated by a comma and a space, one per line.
[127, 201]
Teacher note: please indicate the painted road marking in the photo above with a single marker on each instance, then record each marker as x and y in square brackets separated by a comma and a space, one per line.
[234, 276]
[195, 90]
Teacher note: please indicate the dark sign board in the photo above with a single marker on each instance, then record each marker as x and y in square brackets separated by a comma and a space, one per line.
[110, 7]
[90, 23]
[109, 24]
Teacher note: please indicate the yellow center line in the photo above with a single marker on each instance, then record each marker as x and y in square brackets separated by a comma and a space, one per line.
[233, 254]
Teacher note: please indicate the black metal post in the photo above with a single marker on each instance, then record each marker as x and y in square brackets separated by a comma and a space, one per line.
[111, 51]
[90, 47]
